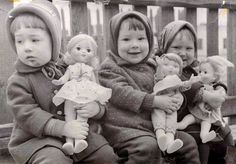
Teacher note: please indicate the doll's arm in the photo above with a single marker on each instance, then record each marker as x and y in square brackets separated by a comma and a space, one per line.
[186, 121]
[63, 79]
[214, 98]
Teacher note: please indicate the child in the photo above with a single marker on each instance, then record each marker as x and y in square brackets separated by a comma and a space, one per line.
[168, 82]
[180, 37]
[211, 72]
[34, 32]
[129, 72]
[80, 85]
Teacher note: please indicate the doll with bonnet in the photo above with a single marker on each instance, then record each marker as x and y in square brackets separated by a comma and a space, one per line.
[168, 82]
[210, 70]
[79, 84]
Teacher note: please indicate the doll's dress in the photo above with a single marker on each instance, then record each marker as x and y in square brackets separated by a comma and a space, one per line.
[81, 89]
[204, 112]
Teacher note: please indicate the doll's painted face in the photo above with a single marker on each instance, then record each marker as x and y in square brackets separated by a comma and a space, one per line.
[33, 46]
[183, 46]
[170, 67]
[207, 73]
[82, 52]
[133, 45]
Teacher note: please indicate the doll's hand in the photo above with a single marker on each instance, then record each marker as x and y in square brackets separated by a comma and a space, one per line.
[167, 103]
[57, 82]
[76, 129]
[213, 98]
[180, 100]
[88, 110]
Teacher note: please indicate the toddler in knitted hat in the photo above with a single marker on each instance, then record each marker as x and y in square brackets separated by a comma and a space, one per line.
[34, 32]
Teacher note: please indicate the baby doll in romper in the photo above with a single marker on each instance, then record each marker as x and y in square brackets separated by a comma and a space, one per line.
[168, 82]
[80, 85]
[210, 71]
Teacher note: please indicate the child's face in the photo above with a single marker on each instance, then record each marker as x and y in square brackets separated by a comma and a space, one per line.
[133, 45]
[184, 47]
[82, 51]
[207, 73]
[170, 67]
[33, 46]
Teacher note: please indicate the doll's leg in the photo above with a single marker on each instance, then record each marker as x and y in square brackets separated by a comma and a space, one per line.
[70, 114]
[158, 121]
[80, 145]
[186, 121]
[171, 124]
[205, 135]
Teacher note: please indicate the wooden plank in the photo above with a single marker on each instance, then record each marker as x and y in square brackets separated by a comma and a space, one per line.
[5, 130]
[231, 4]
[191, 16]
[79, 18]
[167, 14]
[229, 107]
[212, 32]
[231, 53]
[141, 8]
[108, 12]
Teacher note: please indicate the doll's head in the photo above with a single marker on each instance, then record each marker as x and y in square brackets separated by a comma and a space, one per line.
[179, 37]
[34, 32]
[131, 37]
[212, 68]
[169, 64]
[82, 48]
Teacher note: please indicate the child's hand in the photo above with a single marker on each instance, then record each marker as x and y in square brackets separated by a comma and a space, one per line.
[213, 98]
[88, 110]
[76, 129]
[167, 103]
[57, 82]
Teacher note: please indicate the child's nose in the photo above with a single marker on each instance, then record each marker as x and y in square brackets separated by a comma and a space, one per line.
[27, 47]
[134, 44]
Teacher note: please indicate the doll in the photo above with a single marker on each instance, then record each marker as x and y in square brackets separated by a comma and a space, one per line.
[168, 82]
[210, 71]
[80, 84]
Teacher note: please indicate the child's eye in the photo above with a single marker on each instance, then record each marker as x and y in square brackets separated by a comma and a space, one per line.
[142, 38]
[189, 48]
[125, 39]
[35, 40]
[18, 41]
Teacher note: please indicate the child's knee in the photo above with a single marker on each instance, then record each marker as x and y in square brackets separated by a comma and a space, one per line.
[50, 155]
[105, 155]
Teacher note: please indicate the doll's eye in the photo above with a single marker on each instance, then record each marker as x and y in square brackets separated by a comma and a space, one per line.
[78, 48]
[88, 50]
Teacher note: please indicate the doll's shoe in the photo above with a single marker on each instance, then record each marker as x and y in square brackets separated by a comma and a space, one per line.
[162, 142]
[80, 145]
[210, 136]
[174, 146]
[68, 148]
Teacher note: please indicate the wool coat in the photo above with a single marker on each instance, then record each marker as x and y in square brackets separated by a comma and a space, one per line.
[29, 96]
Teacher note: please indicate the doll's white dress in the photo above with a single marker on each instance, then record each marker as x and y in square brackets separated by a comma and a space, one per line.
[81, 89]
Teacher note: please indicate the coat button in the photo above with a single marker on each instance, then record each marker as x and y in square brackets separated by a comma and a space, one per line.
[59, 112]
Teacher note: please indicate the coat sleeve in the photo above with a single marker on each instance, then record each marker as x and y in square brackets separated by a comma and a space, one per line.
[26, 112]
[124, 95]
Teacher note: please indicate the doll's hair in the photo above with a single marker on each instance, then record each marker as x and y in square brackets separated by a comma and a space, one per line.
[27, 20]
[69, 60]
[218, 64]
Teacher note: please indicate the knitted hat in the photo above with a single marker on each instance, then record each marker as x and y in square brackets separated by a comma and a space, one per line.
[48, 13]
